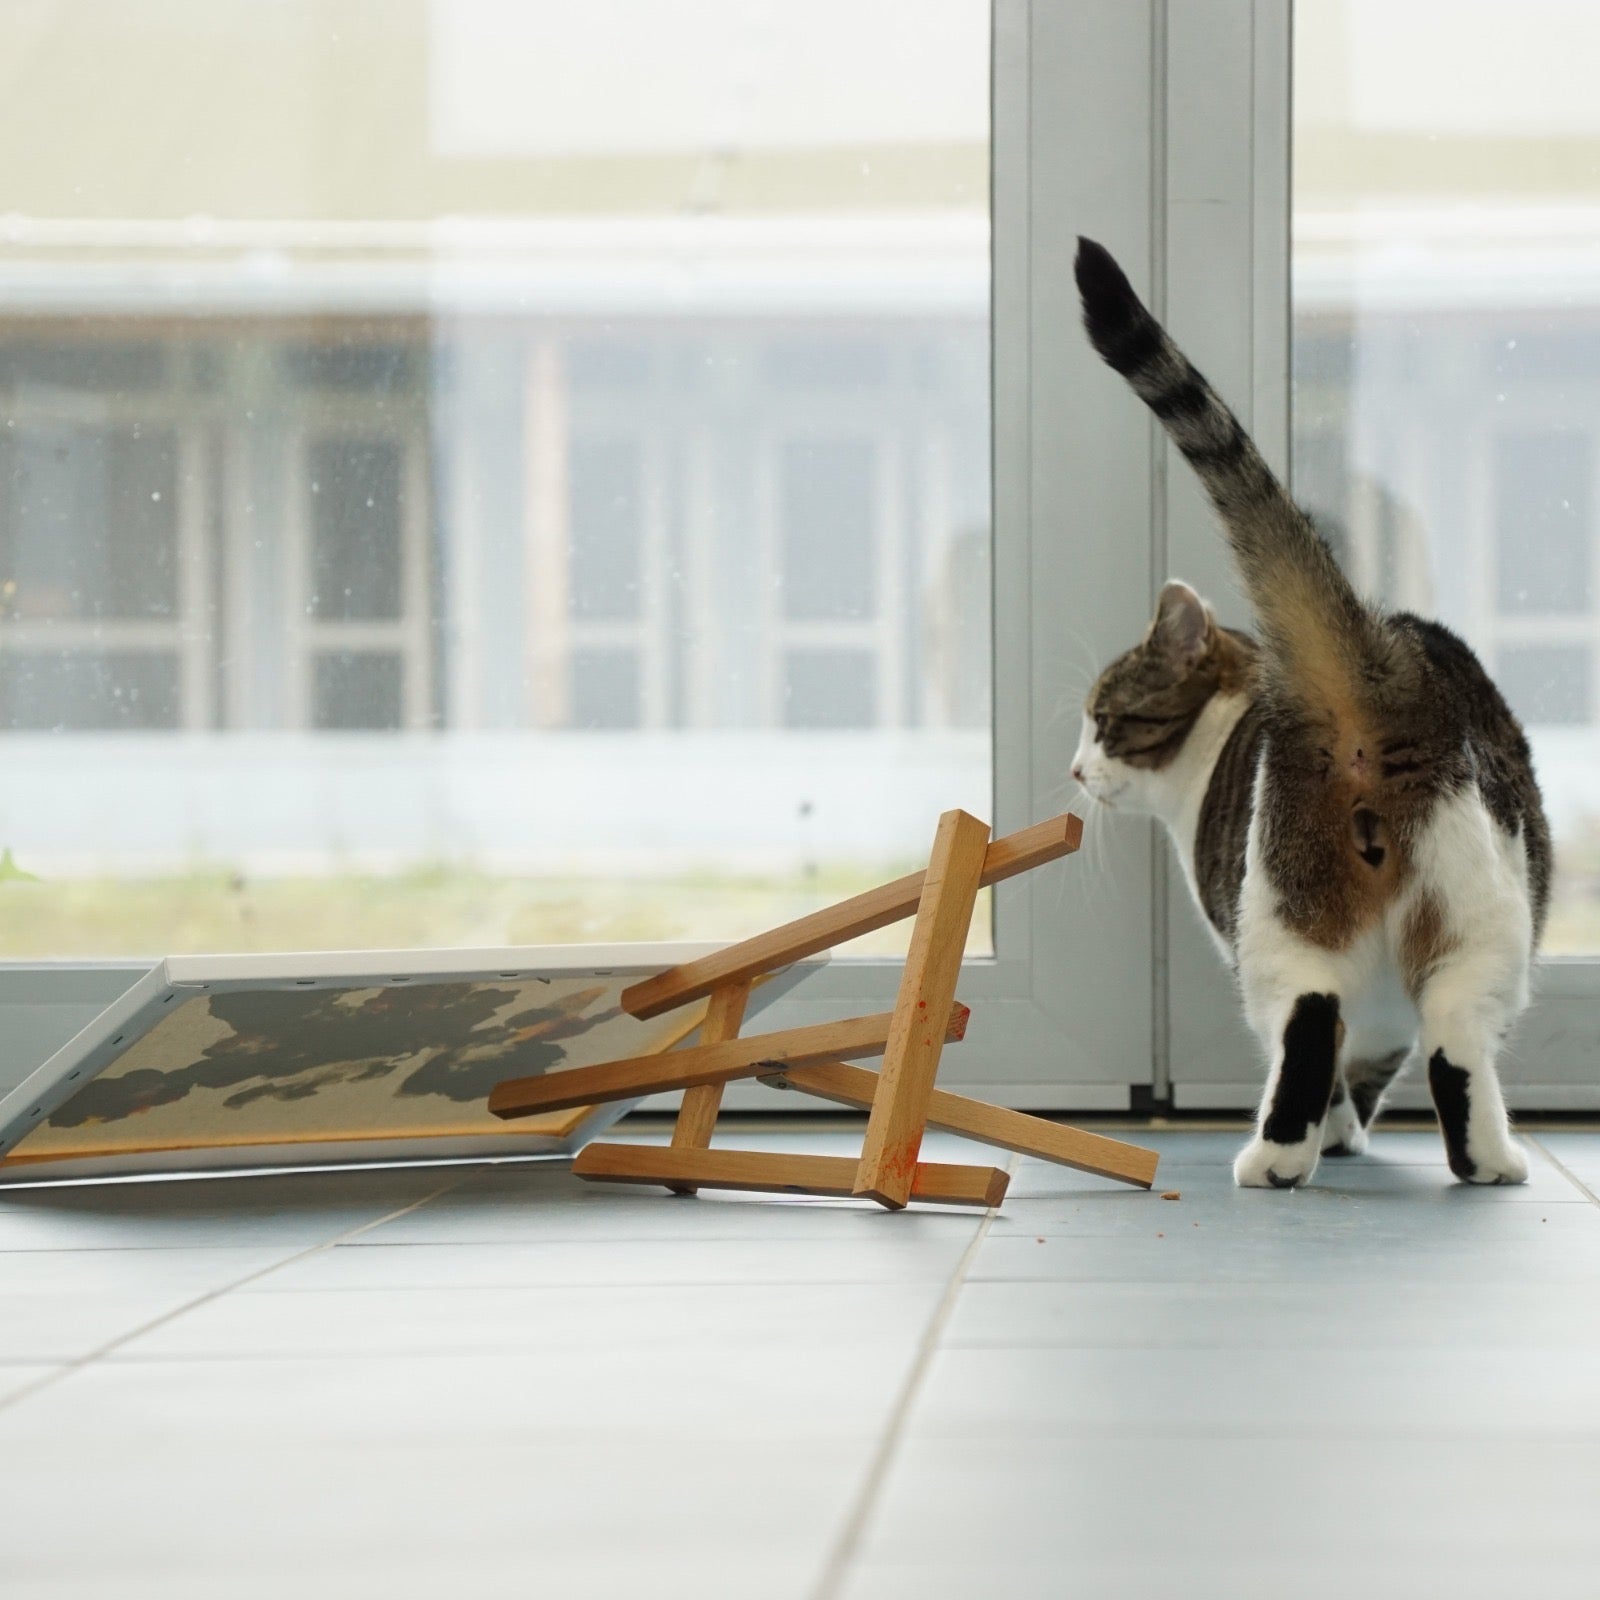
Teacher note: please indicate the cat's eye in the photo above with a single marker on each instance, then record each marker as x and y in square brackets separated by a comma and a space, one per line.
[1100, 720]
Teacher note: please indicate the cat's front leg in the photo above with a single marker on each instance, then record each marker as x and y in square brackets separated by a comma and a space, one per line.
[1288, 1141]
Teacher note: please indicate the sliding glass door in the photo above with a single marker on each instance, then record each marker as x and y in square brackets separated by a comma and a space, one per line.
[621, 471]
[1442, 234]
[487, 472]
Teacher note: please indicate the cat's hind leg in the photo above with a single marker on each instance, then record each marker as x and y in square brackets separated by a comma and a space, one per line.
[1303, 1035]
[1462, 1024]
[1467, 942]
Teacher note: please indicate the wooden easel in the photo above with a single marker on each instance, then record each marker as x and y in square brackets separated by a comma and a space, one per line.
[900, 1098]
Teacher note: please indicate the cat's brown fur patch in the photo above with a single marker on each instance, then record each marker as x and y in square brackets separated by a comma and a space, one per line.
[1425, 940]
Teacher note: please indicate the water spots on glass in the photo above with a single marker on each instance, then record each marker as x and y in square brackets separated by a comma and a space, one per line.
[525, 523]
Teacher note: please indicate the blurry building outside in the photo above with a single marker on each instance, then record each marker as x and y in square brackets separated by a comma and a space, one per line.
[479, 472]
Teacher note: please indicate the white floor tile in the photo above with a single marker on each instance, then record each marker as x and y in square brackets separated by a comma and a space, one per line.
[1304, 1315]
[1288, 1503]
[1273, 1393]
[696, 1400]
[543, 1322]
[17, 1376]
[530, 1385]
[526, 1259]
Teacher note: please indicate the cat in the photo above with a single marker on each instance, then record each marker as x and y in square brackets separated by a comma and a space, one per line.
[1353, 802]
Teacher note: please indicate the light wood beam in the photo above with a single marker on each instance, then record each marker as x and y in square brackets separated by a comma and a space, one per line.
[832, 1176]
[707, 1063]
[821, 930]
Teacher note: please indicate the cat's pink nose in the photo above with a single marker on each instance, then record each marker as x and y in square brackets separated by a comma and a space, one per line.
[1077, 771]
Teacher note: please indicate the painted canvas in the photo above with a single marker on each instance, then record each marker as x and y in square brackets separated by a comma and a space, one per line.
[291, 1066]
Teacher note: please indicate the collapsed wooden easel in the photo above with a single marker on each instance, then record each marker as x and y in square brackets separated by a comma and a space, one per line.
[900, 1098]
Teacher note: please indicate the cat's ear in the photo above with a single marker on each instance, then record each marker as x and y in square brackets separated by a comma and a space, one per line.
[1183, 624]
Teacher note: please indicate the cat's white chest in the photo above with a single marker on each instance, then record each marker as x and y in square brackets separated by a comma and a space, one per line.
[1189, 781]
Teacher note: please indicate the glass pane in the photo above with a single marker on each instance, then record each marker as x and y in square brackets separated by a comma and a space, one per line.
[1447, 350]
[103, 690]
[63, 488]
[356, 531]
[605, 688]
[606, 539]
[829, 689]
[357, 691]
[829, 522]
[1544, 523]
[1547, 685]
[496, 470]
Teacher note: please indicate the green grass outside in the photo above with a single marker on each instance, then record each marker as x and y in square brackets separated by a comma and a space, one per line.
[440, 907]
[444, 906]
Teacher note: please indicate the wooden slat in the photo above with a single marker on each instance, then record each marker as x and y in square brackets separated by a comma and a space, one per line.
[697, 1116]
[559, 1124]
[778, 1174]
[927, 986]
[976, 1119]
[822, 930]
[706, 1063]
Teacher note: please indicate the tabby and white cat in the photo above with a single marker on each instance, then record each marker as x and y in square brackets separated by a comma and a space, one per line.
[1352, 799]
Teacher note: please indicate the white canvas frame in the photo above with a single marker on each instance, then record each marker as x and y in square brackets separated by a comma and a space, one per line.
[141, 1006]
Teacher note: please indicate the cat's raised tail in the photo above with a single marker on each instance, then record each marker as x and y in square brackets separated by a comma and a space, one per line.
[1323, 645]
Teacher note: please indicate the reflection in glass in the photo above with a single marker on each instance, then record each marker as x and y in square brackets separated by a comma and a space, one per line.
[497, 470]
[1447, 351]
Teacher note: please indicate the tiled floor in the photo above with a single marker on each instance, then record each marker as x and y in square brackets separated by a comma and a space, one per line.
[501, 1382]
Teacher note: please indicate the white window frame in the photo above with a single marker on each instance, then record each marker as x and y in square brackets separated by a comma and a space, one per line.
[408, 636]
[186, 635]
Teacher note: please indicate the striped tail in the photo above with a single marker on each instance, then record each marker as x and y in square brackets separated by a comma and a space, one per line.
[1322, 643]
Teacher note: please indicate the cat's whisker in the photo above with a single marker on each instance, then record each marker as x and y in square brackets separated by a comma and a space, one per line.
[1098, 875]
[1090, 657]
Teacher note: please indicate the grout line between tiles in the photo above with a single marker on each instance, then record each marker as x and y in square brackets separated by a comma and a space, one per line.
[843, 1553]
[66, 1368]
[1565, 1171]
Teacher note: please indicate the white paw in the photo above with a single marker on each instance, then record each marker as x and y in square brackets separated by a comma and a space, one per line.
[1343, 1134]
[1497, 1160]
[1265, 1165]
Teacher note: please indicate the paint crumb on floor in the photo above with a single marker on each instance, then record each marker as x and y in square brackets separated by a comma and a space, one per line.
[1171, 1194]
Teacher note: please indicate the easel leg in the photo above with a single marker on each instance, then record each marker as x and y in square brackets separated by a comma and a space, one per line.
[697, 1117]
[975, 1119]
[927, 990]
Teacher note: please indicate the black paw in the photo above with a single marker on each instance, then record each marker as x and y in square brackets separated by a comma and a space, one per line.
[1338, 1150]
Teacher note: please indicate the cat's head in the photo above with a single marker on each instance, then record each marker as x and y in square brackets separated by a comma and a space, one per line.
[1143, 707]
